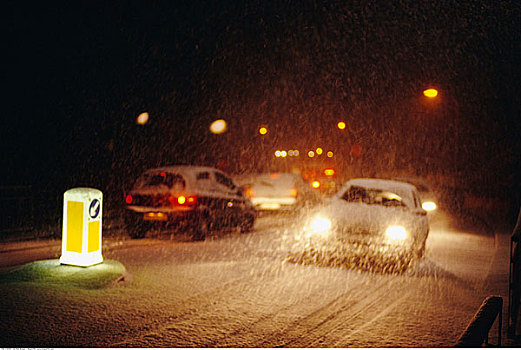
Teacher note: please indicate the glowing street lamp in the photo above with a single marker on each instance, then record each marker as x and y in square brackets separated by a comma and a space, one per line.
[430, 93]
[218, 126]
[142, 119]
[341, 125]
[263, 130]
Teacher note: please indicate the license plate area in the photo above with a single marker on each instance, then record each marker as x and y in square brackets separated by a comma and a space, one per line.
[155, 216]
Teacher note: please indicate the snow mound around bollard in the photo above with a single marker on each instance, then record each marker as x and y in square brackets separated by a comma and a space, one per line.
[52, 273]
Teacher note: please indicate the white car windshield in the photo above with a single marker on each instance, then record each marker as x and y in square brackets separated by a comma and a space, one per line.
[372, 196]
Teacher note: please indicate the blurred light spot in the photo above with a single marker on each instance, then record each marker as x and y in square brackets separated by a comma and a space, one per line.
[430, 93]
[319, 151]
[263, 131]
[329, 172]
[311, 154]
[315, 184]
[296, 153]
[181, 199]
[283, 154]
[341, 125]
[330, 154]
[142, 119]
[277, 153]
[429, 206]
[218, 126]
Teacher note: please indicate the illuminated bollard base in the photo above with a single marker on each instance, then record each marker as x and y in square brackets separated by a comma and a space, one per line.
[82, 226]
[53, 273]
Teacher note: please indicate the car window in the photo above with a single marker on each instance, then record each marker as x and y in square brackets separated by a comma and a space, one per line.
[224, 180]
[372, 197]
[203, 175]
[173, 181]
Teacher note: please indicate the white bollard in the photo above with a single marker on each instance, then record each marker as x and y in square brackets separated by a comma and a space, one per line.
[81, 234]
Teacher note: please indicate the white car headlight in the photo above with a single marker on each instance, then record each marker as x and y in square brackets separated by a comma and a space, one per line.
[396, 233]
[429, 206]
[320, 225]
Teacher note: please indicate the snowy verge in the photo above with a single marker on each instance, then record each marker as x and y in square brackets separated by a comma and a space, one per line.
[52, 273]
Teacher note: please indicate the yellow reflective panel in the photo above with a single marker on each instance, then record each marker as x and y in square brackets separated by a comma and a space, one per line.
[94, 227]
[74, 226]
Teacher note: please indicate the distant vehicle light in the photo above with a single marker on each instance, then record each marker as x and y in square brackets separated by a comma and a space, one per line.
[315, 184]
[330, 154]
[263, 131]
[277, 153]
[396, 233]
[181, 200]
[429, 206]
[283, 154]
[319, 151]
[341, 125]
[311, 154]
[129, 199]
[329, 172]
[248, 192]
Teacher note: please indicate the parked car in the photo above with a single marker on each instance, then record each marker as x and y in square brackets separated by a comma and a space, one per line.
[193, 198]
[277, 191]
[381, 215]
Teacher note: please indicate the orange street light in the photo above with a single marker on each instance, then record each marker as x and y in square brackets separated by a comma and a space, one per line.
[142, 119]
[430, 93]
[218, 126]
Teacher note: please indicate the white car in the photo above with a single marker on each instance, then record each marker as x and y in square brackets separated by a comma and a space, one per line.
[277, 191]
[381, 215]
[195, 198]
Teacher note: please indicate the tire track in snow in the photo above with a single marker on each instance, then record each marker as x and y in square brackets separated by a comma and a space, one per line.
[342, 313]
[197, 302]
[253, 331]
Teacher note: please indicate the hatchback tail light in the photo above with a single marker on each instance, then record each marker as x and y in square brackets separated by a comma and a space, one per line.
[182, 201]
[129, 199]
[248, 192]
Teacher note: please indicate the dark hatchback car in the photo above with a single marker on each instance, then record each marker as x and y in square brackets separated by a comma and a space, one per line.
[195, 199]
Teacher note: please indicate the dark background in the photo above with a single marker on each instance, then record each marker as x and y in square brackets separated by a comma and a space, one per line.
[77, 74]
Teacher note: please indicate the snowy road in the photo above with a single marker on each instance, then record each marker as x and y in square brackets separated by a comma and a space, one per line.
[237, 291]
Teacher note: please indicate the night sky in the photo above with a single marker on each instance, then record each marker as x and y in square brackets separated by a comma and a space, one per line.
[78, 73]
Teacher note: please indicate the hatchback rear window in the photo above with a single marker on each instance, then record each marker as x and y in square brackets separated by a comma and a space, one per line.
[174, 181]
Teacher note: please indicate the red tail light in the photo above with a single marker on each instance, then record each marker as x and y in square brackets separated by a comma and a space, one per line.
[129, 199]
[182, 201]
[248, 192]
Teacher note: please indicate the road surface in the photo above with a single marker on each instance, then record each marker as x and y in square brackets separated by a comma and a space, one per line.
[239, 290]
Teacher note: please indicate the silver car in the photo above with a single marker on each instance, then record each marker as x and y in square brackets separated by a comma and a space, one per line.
[380, 215]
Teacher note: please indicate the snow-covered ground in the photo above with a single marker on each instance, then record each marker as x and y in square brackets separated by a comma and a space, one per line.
[238, 290]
